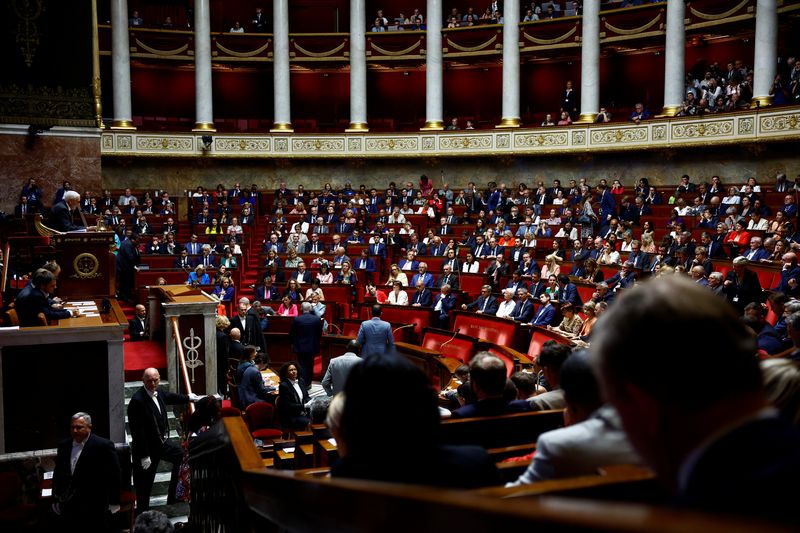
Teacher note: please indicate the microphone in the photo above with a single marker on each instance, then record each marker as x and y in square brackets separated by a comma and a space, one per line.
[338, 329]
[448, 341]
[403, 327]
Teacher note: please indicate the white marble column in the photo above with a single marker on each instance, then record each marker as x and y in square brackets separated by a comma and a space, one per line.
[590, 61]
[510, 117]
[280, 66]
[433, 67]
[121, 66]
[674, 58]
[203, 99]
[766, 53]
[358, 67]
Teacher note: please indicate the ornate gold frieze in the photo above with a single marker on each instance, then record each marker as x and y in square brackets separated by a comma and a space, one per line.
[465, 142]
[225, 144]
[167, 144]
[50, 106]
[782, 123]
[318, 145]
[747, 127]
[529, 140]
[392, 144]
[619, 136]
[702, 129]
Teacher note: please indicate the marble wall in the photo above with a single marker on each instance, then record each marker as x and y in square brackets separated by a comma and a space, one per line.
[733, 163]
[51, 158]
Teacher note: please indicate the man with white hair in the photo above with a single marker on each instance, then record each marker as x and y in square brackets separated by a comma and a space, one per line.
[86, 479]
[61, 213]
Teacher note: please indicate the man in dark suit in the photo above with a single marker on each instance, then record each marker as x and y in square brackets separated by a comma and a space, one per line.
[61, 213]
[127, 261]
[524, 310]
[623, 279]
[546, 313]
[35, 299]
[447, 278]
[442, 305]
[569, 101]
[267, 291]
[732, 448]
[235, 346]
[24, 208]
[137, 326]
[246, 321]
[306, 332]
[487, 374]
[741, 285]
[484, 304]
[422, 297]
[86, 478]
[568, 291]
[147, 417]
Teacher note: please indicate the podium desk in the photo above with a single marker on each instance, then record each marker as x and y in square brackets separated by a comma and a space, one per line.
[501, 331]
[49, 373]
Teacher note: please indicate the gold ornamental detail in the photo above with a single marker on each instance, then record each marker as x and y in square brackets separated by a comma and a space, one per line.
[86, 266]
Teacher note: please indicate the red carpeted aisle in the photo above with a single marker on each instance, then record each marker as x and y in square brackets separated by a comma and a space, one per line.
[141, 355]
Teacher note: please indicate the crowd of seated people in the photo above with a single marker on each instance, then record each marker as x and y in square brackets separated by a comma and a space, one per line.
[612, 223]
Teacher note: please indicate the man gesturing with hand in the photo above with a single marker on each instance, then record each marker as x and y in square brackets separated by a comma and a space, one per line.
[147, 416]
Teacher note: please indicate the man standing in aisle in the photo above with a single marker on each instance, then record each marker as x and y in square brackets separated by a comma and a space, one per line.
[147, 416]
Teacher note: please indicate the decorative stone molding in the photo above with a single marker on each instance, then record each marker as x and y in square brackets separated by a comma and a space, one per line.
[746, 127]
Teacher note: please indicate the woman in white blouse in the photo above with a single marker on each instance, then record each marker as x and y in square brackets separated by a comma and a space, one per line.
[470, 266]
[506, 307]
[398, 296]
[609, 256]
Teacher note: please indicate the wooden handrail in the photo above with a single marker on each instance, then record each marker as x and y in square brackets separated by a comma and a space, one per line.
[182, 359]
[6, 261]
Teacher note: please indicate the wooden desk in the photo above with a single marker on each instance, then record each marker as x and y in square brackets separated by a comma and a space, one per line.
[42, 365]
[500, 331]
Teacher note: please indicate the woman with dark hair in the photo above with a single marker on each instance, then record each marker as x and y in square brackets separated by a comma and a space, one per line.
[293, 396]
[324, 275]
[293, 291]
[364, 426]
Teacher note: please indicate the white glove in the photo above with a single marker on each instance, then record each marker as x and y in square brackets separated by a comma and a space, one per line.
[56, 508]
[113, 508]
[195, 398]
[146, 462]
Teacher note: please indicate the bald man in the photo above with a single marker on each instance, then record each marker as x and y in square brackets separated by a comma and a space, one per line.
[137, 326]
[147, 417]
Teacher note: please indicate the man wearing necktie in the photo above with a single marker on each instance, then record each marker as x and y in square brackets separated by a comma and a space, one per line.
[86, 479]
[524, 310]
[147, 418]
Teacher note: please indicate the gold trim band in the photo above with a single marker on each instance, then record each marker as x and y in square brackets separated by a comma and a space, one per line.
[242, 54]
[670, 111]
[634, 31]
[512, 122]
[762, 101]
[471, 48]
[318, 54]
[399, 52]
[433, 125]
[204, 126]
[717, 16]
[357, 127]
[122, 125]
[586, 118]
[162, 52]
[282, 127]
[557, 40]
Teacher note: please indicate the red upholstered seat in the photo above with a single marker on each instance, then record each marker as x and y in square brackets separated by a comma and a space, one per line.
[229, 410]
[261, 421]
